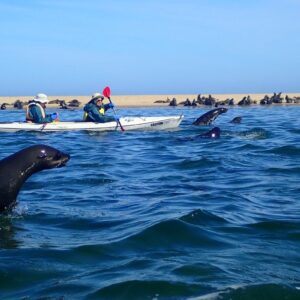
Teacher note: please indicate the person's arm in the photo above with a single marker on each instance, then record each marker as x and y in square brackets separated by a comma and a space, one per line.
[38, 117]
[98, 117]
[94, 113]
[108, 106]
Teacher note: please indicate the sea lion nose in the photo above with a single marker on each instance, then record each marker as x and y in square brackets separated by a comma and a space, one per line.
[65, 156]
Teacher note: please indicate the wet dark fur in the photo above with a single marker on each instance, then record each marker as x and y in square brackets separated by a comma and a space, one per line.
[16, 168]
[210, 116]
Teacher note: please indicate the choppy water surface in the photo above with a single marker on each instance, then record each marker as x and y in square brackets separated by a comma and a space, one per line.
[147, 215]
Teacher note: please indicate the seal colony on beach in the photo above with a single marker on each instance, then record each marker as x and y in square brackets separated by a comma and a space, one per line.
[75, 102]
[16, 168]
[247, 100]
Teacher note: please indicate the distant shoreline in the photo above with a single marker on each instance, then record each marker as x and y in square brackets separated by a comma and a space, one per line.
[146, 100]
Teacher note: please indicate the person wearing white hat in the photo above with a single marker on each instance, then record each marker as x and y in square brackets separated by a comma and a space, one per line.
[94, 110]
[36, 110]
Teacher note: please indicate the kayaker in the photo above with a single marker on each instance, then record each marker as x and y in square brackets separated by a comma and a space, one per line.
[36, 110]
[94, 110]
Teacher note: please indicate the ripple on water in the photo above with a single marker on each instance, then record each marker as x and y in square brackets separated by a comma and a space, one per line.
[149, 215]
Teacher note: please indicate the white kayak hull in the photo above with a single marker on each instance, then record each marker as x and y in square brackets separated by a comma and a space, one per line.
[128, 123]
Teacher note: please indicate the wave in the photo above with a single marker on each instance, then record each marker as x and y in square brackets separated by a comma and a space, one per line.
[286, 150]
[277, 226]
[253, 134]
[196, 163]
[202, 217]
[146, 289]
[255, 292]
[174, 234]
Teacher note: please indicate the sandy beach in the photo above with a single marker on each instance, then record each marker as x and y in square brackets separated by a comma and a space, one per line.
[143, 100]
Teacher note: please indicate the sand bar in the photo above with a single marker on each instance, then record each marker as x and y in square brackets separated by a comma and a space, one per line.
[145, 100]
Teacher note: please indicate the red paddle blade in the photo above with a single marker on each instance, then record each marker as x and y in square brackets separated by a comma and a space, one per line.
[106, 92]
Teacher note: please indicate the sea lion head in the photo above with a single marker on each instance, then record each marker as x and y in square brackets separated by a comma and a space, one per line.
[47, 157]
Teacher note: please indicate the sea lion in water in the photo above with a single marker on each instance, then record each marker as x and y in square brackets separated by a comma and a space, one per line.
[210, 116]
[212, 134]
[16, 168]
[236, 120]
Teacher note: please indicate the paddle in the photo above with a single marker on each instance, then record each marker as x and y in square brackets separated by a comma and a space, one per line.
[106, 93]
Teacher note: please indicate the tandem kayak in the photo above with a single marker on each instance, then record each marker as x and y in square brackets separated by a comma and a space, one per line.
[128, 123]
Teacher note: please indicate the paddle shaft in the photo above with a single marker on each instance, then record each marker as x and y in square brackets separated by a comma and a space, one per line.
[43, 127]
[122, 128]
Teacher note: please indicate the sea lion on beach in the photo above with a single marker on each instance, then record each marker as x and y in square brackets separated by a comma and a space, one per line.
[210, 116]
[3, 106]
[173, 102]
[18, 104]
[74, 103]
[16, 168]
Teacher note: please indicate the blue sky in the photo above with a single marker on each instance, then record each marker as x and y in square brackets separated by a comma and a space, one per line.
[70, 47]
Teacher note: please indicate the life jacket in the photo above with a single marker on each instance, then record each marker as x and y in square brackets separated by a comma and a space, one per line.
[29, 117]
[101, 111]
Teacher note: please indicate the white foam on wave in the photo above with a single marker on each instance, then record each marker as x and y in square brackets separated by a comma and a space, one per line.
[215, 295]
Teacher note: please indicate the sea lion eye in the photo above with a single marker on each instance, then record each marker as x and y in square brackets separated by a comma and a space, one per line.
[42, 154]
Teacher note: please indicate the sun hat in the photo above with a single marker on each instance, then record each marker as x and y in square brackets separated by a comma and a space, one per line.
[97, 96]
[41, 98]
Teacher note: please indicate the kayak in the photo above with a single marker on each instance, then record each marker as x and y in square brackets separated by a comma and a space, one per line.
[128, 123]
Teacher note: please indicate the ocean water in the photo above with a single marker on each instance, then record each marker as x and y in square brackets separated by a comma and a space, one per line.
[152, 215]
